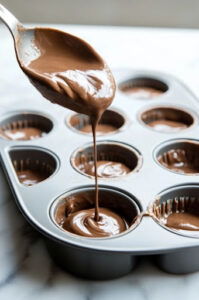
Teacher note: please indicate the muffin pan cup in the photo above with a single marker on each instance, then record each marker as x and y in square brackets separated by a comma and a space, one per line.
[25, 120]
[111, 117]
[103, 258]
[108, 151]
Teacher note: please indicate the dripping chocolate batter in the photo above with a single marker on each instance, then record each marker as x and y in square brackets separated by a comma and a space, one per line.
[100, 129]
[68, 71]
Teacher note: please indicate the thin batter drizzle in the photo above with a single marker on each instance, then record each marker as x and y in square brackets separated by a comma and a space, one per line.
[100, 129]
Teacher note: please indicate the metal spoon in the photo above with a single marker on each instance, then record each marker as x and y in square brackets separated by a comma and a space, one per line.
[22, 37]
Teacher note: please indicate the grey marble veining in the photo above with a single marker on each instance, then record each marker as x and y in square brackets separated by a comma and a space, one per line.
[26, 271]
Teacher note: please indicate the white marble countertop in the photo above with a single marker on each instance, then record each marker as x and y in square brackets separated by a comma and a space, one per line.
[26, 271]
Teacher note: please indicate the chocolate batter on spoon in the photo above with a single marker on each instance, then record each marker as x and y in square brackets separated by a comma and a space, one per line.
[68, 71]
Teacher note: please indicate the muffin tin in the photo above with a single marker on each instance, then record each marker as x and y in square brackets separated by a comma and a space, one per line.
[142, 193]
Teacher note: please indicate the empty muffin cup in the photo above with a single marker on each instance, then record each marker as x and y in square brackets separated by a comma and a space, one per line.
[25, 126]
[32, 166]
[143, 87]
[177, 209]
[180, 156]
[110, 122]
[113, 160]
[167, 119]
[74, 212]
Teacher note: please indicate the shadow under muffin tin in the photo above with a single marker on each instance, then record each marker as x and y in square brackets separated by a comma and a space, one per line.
[149, 193]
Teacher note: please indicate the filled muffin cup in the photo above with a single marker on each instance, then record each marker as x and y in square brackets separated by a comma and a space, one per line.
[167, 119]
[111, 121]
[25, 126]
[177, 209]
[32, 166]
[114, 160]
[113, 200]
[179, 156]
[143, 88]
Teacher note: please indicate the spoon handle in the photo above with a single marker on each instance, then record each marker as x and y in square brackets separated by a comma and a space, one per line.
[10, 21]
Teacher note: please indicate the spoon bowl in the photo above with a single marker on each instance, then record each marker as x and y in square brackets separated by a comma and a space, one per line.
[65, 69]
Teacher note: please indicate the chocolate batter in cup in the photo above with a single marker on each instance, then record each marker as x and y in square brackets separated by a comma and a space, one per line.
[110, 122]
[180, 157]
[179, 213]
[167, 119]
[105, 168]
[21, 134]
[32, 166]
[25, 126]
[30, 172]
[143, 88]
[114, 160]
[30, 177]
[75, 213]
[142, 92]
